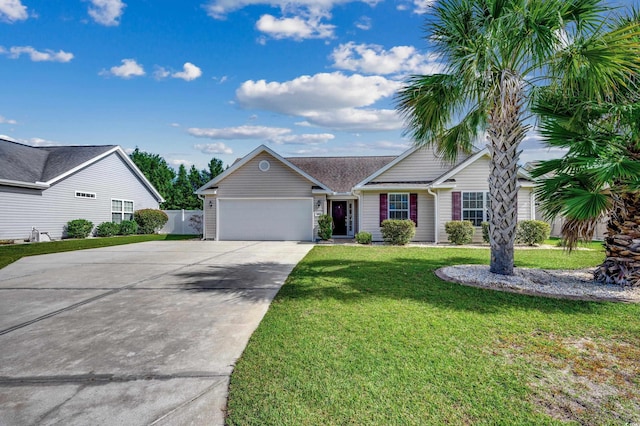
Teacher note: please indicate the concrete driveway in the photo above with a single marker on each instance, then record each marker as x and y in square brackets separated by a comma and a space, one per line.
[139, 334]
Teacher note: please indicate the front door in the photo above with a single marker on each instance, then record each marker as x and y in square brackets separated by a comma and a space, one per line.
[339, 214]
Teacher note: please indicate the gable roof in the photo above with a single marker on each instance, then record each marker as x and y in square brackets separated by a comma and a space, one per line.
[341, 174]
[40, 167]
[244, 160]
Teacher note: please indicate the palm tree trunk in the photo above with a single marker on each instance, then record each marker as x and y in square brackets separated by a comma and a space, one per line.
[622, 243]
[506, 131]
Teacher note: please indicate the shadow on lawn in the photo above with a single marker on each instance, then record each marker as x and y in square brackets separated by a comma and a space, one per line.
[411, 278]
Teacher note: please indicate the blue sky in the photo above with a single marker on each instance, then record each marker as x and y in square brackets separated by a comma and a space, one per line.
[192, 80]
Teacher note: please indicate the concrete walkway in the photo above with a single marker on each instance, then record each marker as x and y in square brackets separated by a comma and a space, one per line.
[139, 334]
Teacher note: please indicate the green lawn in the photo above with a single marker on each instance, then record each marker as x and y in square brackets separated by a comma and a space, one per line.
[370, 336]
[11, 253]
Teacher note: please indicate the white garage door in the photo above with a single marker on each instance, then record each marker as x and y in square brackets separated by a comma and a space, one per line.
[265, 220]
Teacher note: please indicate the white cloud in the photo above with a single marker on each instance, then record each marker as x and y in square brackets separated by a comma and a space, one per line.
[277, 135]
[296, 28]
[305, 139]
[177, 163]
[219, 9]
[331, 100]
[240, 132]
[364, 23]
[374, 59]
[320, 92]
[538, 154]
[190, 72]
[106, 12]
[422, 6]
[160, 73]
[174, 124]
[4, 120]
[213, 148]
[129, 68]
[47, 55]
[12, 11]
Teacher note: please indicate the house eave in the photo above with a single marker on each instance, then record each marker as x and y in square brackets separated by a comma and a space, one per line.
[31, 185]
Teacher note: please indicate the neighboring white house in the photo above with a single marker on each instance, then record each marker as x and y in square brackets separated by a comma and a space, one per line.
[45, 187]
[264, 196]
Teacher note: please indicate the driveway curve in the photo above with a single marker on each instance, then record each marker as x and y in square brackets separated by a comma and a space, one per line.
[144, 333]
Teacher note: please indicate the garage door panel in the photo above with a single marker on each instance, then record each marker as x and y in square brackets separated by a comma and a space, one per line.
[265, 220]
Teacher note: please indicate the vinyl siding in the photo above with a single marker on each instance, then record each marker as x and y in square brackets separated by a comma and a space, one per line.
[474, 178]
[279, 181]
[419, 166]
[210, 217]
[248, 181]
[50, 210]
[371, 216]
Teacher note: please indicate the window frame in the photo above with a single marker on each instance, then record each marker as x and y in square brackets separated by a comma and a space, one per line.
[86, 195]
[122, 210]
[484, 208]
[395, 210]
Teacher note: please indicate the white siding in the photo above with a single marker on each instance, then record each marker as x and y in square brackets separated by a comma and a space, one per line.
[371, 216]
[50, 210]
[421, 165]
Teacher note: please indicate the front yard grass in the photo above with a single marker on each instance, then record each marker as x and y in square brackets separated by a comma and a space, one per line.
[13, 252]
[370, 336]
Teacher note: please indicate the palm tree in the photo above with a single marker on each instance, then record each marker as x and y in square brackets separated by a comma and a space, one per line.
[599, 176]
[497, 53]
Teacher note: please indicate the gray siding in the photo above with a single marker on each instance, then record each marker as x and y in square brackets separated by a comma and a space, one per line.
[49, 210]
[210, 217]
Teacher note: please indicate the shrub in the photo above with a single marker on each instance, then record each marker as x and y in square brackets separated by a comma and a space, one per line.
[397, 232]
[459, 231]
[128, 227]
[79, 228]
[485, 232]
[531, 232]
[107, 229]
[325, 227]
[150, 220]
[363, 237]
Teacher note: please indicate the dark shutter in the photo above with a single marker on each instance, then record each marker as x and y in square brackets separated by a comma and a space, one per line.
[383, 207]
[456, 205]
[413, 208]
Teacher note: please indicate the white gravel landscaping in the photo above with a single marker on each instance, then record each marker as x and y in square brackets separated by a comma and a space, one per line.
[568, 284]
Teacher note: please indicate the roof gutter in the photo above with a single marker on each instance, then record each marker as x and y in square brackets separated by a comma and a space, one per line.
[31, 185]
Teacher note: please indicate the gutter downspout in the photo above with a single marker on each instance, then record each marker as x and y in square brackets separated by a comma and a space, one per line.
[533, 205]
[435, 202]
[204, 221]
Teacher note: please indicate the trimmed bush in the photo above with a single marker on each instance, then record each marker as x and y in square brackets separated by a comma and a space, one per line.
[459, 231]
[128, 227]
[485, 232]
[363, 237]
[397, 232]
[531, 232]
[325, 227]
[150, 221]
[79, 228]
[107, 229]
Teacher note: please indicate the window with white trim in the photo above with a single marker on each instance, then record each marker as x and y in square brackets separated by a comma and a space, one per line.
[398, 206]
[84, 194]
[475, 207]
[121, 210]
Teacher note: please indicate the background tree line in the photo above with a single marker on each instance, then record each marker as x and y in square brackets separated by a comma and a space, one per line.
[178, 189]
